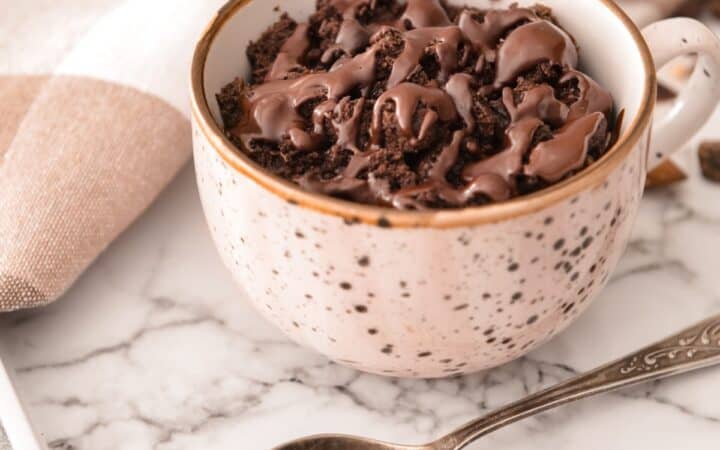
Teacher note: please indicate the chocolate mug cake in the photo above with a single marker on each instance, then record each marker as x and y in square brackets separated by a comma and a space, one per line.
[437, 292]
[418, 105]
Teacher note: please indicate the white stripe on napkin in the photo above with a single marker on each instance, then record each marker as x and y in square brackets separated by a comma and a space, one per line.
[146, 45]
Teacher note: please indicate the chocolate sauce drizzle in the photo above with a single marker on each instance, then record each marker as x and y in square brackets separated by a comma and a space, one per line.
[422, 14]
[531, 44]
[514, 40]
[407, 97]
[445, 43]
[289, 57]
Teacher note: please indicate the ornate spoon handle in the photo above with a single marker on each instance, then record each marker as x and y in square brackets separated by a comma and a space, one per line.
[692, 349]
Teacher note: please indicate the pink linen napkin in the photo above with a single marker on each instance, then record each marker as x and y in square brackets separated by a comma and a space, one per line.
[94, 124]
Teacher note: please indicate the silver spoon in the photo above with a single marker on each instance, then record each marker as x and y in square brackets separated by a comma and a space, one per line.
[695, 348]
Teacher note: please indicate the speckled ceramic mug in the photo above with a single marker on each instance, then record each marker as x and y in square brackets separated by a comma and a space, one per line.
[431, 294]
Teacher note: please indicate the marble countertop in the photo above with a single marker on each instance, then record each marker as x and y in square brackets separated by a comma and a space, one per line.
[156, 348]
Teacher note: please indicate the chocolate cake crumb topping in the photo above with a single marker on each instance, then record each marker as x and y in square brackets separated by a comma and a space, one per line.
[418, 105]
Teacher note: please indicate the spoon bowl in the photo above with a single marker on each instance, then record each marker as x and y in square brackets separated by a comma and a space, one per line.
[342, 442]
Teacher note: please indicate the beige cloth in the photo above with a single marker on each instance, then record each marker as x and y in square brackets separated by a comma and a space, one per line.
[88, 157]
[93, 125]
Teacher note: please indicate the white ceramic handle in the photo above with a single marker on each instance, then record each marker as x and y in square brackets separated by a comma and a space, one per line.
[669, 39]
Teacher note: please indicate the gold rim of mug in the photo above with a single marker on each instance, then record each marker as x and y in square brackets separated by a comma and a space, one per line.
[593, 176]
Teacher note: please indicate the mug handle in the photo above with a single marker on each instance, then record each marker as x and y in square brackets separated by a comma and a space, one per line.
[667, 40]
